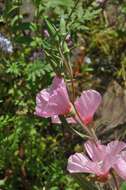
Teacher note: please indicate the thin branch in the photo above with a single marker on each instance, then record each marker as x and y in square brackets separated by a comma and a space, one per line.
[115, 180]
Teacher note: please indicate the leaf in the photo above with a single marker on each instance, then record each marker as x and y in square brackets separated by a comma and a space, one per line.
[2, 182]
[84, 183]
[78, 133]
[51, 27]
[123, 186]
[37, 69]
[91, 14]
[62, 26]
[13, 9]
[55, 3]
[22, 26]
[14, 69]
[23, 39]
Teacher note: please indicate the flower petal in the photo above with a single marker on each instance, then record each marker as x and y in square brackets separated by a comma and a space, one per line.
[87, 105]
[115, 147]
[96, 151]
[53, 101]
[120, 167]
[78, 163]
[56, 120]
[57, 82]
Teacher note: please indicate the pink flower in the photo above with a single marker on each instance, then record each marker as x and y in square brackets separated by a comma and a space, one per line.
[87, 105]
[120, 166]
[53, 101]
[46, 33]
[100, 159]
[56, 120]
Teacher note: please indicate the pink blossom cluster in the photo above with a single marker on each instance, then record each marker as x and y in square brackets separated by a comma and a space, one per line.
[99, 159]
[54, 101]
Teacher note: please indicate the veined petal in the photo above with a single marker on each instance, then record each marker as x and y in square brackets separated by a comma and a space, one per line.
[120, 167]
[78, 163]
[59, 102]
[87, 105]
[53, 101]
[115, 147]
[102, 159]
[96, 151]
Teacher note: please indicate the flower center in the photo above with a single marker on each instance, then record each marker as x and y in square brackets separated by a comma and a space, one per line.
[102, 178]
[87, 120]
[68, 110]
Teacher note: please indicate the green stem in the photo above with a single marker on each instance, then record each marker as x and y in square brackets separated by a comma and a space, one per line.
[69, 69]
[69, 17]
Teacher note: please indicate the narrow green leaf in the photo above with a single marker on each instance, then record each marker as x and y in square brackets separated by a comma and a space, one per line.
[51, 27]
[62, 26]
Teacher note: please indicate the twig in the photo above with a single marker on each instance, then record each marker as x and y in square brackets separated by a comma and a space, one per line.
[115, 180]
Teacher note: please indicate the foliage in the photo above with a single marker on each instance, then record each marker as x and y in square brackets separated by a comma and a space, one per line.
[34, 152]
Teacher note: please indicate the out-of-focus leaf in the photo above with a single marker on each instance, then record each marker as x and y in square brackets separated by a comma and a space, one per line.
[13, 9]
[123, 186]
[22, 26]
[84, 183]
[2, 182]
[23, 39]
[54, 3]
[62, 26]
[78, 133]
[51, 27]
